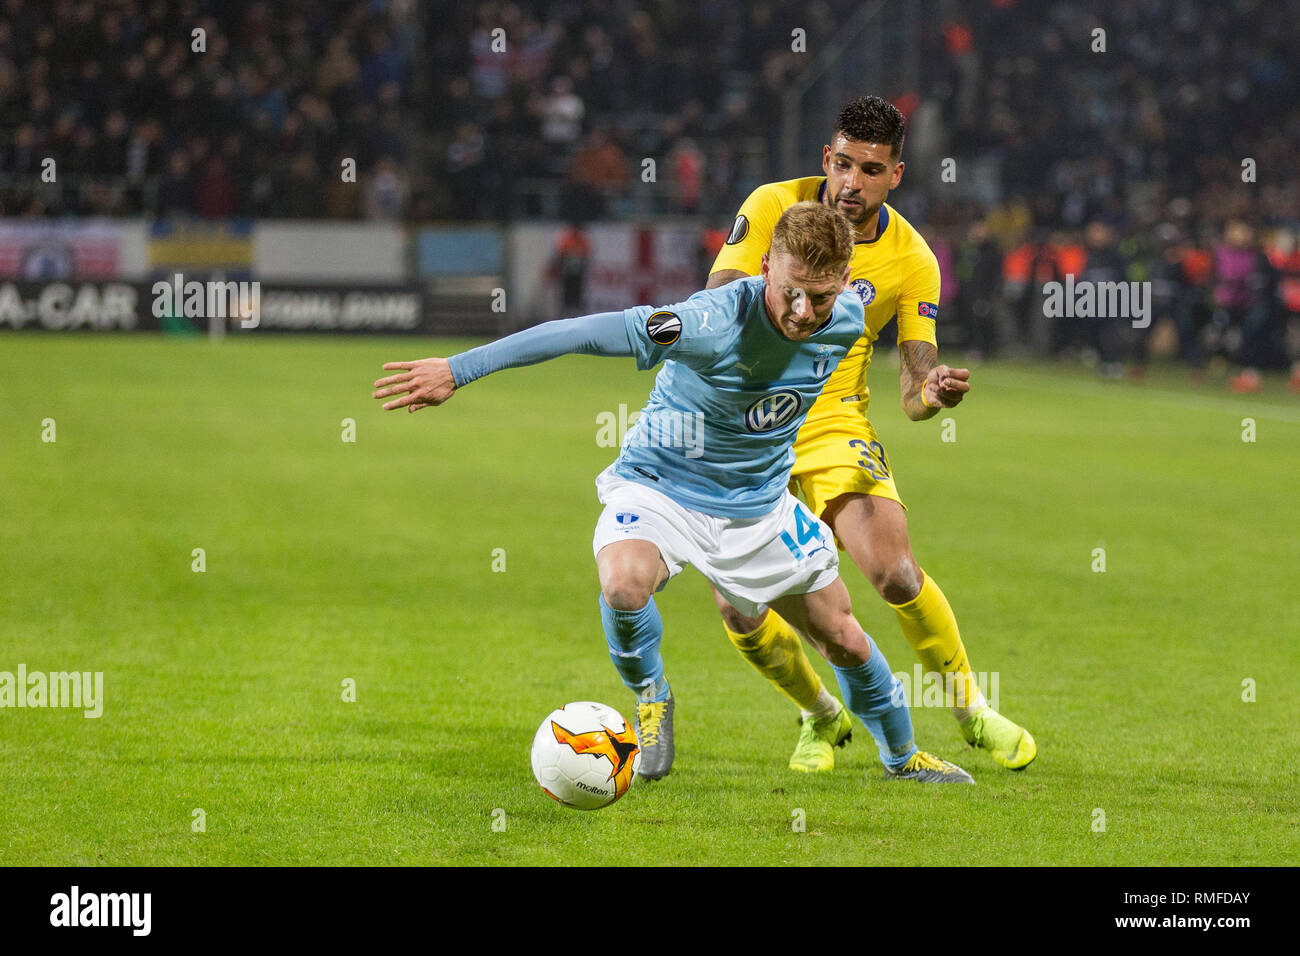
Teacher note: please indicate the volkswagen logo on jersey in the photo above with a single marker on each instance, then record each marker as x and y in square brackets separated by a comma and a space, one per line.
[626, 517]
[664, 328]
[865, 290]
[772, 411]
[739, 230]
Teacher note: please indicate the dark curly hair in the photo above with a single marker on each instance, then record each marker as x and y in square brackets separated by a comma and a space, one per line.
[869, 119]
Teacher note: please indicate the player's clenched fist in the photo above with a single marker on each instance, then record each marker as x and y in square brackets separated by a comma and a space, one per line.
[426, 382]
[944, 387]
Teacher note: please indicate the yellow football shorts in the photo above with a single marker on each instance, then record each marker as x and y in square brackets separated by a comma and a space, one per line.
[837, 453]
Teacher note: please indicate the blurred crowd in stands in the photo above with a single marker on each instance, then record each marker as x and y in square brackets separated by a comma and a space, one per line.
[1160, 151]
[1230, 298]
[1168, 158]
[1163, 153]
[253, 115]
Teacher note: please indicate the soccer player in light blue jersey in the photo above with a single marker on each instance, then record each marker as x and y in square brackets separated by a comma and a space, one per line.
[701, 479]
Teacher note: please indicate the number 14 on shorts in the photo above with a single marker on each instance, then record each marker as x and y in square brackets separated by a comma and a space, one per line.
[807, 529]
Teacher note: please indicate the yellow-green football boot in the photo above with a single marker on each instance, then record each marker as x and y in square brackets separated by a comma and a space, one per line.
[1008, 744]
[818, 739]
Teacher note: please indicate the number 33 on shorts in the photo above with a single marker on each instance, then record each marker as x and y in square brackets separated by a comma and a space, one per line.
[807, 530]
[873, 458]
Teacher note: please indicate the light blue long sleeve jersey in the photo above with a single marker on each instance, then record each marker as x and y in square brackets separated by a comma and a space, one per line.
[717, 432]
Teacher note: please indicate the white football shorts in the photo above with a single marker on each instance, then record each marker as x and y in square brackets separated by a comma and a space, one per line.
[751, 561]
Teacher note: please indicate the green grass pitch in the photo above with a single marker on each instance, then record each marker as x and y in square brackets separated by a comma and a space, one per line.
[372, 561]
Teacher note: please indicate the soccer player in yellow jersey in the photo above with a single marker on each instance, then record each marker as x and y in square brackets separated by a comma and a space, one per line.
[841, 469]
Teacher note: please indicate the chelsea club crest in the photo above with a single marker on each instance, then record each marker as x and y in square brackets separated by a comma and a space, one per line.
[865, 290]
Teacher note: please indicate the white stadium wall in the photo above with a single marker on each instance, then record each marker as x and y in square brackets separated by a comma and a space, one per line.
[330, 252]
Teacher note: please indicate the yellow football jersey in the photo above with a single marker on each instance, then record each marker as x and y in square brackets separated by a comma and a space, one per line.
[893, 274]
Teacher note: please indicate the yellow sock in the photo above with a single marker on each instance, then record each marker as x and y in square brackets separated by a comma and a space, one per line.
[931, 628]
[777, 653]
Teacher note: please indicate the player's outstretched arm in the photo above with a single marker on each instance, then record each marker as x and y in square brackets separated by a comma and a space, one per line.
[927, 386]
[422, 383]
[432, 381]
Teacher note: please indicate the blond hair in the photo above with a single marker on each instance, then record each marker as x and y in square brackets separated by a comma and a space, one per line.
[816, 235]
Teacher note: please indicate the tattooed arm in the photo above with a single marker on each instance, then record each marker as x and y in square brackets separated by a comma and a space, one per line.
[927, 387]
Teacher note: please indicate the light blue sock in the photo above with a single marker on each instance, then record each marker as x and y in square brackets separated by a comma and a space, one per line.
[874, 696]
[633, 638]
